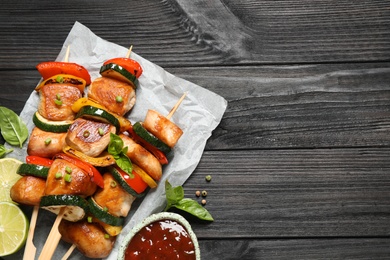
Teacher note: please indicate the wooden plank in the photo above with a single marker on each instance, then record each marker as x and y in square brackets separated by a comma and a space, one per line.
[299, 106]
[182, 33]
[294, 193]
[245, 249]
[279, 106]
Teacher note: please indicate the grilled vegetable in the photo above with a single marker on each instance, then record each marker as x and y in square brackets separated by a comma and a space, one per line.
[116, 71]
[64, 78]
[98, 212]
[135, 186]
[51, 68]
[75, 206]
[33, 170]
[49, 125]
[102, 161]
[98, 114]
[128, 64]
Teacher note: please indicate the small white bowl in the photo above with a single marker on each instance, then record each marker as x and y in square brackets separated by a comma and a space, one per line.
[156, 217]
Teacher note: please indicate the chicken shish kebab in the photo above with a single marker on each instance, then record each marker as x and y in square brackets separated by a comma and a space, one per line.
[86, 158]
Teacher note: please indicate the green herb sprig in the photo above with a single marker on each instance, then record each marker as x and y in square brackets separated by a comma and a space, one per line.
[116, 149]
[4, 151]
[13, 129]
[175, 199]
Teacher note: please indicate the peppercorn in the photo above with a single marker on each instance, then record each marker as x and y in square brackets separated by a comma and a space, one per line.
[203, 202]
[197, 193]
[208, 178]
[204, 193]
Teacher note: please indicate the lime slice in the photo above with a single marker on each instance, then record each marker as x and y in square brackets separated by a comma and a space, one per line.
[13, 228]
[8, 177]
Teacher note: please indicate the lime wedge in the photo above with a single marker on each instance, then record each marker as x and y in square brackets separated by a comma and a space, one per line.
[8, 177]
[13, 228]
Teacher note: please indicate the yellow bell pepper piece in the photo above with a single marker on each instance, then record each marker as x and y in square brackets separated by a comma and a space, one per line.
[64, 78]
[102, 161]
[144, 176]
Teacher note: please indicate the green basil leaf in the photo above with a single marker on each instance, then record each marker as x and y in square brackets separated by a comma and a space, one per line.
[4, 151]
[173, 195]
[13, 129]
[194, 208]
[116, 144]
[125, 164]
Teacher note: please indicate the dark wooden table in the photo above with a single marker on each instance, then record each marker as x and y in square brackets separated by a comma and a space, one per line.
[300, 163]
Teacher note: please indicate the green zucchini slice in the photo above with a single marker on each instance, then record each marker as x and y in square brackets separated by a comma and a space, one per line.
[148, 137]
[75, 206]
[50, 126]
[33, 170]
[98, 212]
[118, 177]
[115, 71]
[98, 114]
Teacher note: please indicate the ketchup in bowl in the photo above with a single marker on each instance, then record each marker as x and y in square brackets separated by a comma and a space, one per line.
[161, 236]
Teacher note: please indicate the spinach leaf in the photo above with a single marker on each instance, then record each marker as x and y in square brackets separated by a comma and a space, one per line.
[13, 129]
[175, 198]
[116, 149]
[4, 151]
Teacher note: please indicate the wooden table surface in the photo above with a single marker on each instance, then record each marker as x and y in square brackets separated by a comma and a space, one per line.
[300, 162]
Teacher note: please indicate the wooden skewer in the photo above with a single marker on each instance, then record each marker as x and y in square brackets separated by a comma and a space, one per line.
[66, 59]
[69, 252]
[53, 239]
[129, 52]
[30, 249]
[173, 110]
[54, 236]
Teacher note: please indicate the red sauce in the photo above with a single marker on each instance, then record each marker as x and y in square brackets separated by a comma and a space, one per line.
[163, 239]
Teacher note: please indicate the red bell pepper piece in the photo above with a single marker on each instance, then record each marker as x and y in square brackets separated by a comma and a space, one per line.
[95, 175]
[48, 69]
[32, 159]
[156, 152]
[128, 64]
[136, 183]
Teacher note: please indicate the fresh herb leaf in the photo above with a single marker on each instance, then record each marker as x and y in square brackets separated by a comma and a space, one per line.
[13, 129]
[194, 208]
[173, 195]
[4, 151]
[175, 199]
[116, 149]
[116, 145]
[124, 163]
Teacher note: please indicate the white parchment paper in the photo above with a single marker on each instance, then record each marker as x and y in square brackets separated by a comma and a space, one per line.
[198, 115]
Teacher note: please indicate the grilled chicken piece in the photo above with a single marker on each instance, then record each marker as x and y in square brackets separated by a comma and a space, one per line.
[106, 91]
[89, 238]
[28, 190]
[45, 144]
[114, 197]
[80, 183]
[83, 135]
[56, 101]
[142, 157]
[162, 128]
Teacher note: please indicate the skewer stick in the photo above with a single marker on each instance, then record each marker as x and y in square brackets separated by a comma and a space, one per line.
[129, 52]
[66, 59]
[54, 236]
[53, 239]
[30, 249]
[173, 110]
[69, 252]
